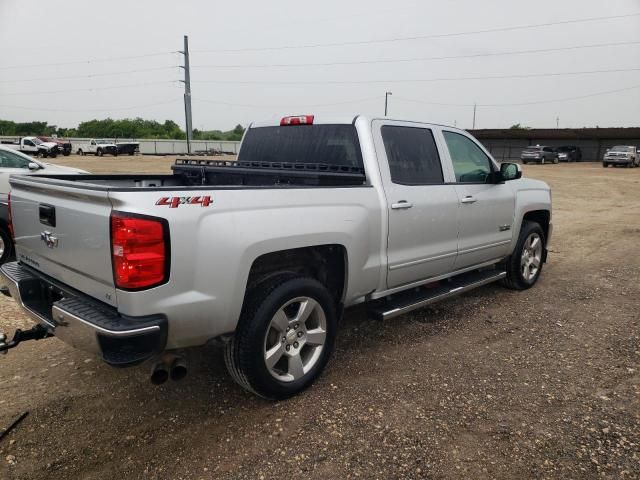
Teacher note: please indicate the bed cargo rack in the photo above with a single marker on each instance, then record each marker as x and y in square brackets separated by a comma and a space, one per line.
[228, 172]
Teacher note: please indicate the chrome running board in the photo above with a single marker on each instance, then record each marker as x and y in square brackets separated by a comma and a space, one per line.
[401, 303]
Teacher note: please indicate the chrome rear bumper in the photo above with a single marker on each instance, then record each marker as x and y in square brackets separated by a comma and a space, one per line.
[82, 321]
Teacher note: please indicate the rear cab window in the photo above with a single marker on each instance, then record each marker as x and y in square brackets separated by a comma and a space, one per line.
[320, 144]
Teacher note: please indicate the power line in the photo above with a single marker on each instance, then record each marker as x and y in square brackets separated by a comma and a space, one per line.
[317, 105]
[87, 62]
[420, 59]
[415, 80]
[113, 87]
[92, 75]
[89, 110]
[421, 37]
[520, 104]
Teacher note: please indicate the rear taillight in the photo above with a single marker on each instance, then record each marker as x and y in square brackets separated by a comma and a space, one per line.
[297, 120]
[139, 251]
[13, 236]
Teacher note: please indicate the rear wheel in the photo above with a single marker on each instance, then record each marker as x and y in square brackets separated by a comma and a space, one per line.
[80, 152]
[284, 337]
[6, 245]
[525, 263]
[99, 152]
[605, 165]
[555, 160]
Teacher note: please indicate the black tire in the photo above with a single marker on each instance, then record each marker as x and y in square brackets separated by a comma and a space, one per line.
[7, 243]
[515, 279]
[604, 165]
[66, 154]
[99, 152]
[524, 162]
[556, 160]
[80, 152]
[244, 354]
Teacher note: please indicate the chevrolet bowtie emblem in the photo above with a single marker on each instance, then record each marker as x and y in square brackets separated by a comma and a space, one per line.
[49, 239]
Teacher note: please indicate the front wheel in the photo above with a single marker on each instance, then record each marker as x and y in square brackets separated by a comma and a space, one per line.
[284, 337]
[604, 165]
[556, 160]
[525, 263]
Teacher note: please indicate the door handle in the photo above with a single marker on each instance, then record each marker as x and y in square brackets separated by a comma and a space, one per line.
[469, 199]
[402, 204]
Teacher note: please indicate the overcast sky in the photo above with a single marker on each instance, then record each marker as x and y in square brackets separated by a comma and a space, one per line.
[91, 38]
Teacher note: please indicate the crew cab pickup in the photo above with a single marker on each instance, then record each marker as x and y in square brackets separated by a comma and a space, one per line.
[35, 146]
[262, 255]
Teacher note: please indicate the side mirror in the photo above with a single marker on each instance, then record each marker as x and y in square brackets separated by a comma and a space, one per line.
[510, 171]
[33, 166]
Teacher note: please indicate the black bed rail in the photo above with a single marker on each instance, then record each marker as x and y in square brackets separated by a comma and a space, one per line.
[258, 173]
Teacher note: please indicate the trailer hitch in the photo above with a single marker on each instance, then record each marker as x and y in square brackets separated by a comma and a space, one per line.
[35, 333]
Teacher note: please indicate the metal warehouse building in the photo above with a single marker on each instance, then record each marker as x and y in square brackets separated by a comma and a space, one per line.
[506, 145]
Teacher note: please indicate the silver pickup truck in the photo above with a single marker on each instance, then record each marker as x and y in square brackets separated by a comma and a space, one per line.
[263, 254]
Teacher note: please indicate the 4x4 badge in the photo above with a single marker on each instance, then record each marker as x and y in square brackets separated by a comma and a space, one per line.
[175, 202]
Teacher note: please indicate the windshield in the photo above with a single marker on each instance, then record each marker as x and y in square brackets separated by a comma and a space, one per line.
[563, 149]
[101, 141]
[306, 144]
[533, 148]
[621, 149]
[36, 141]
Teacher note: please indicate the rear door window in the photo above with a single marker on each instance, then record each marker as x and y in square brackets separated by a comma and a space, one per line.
[412, 155]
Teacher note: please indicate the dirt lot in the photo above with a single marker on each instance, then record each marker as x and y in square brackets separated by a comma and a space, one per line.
[496, 384]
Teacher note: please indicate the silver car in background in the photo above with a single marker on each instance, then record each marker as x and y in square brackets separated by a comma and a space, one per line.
[539, 154]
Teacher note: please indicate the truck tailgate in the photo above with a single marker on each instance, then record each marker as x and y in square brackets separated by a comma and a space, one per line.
[64, 232]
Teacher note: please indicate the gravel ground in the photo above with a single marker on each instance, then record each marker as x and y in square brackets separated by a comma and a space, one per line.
[495, 384]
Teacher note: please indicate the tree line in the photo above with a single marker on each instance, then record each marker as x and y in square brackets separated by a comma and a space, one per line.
[124, 128]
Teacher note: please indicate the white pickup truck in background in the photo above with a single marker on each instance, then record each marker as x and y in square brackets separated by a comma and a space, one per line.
[98, 147]
[34, 146]
[263, 255]
[102, 147]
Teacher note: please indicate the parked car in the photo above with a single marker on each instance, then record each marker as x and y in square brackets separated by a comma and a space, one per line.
[34, 146]
[263, 254]
[626, 155]
[569, 153]
[16, 163]
[64, 147]
[539, 154]
[6, 242]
